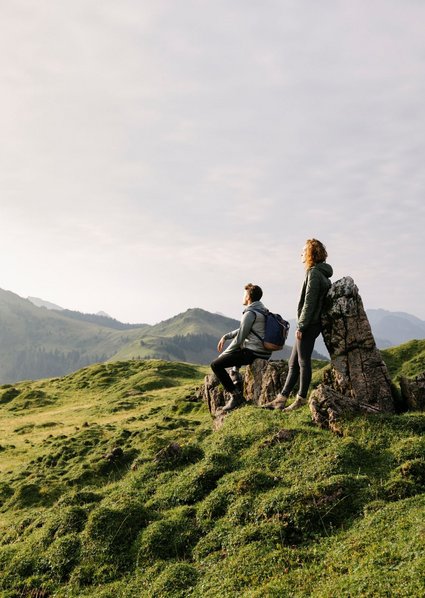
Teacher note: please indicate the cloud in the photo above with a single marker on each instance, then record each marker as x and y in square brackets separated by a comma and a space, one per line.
[197, 145]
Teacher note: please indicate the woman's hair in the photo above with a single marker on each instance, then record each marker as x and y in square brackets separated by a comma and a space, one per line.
[315, 252]
[254, 291]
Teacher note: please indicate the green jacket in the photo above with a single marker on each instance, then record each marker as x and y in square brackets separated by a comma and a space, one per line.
[316, 285]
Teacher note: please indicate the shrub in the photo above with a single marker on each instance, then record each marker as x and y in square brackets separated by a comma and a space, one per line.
[8, 395]
[64, 521]
[194, 482]
[63, 555]
[6, 492]
[80, 497]
[409, 448]
[27, 495]
[112, 528]
[171, 537]
[315, 510]
[176, 580]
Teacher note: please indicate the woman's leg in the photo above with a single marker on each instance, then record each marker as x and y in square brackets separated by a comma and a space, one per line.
[305, 350]
[293, 371]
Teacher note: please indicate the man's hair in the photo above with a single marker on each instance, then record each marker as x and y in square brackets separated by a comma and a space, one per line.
[315, 253]
[254, 291]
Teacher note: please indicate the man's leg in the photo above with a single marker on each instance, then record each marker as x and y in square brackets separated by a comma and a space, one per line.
[219, 365]
[228, 360]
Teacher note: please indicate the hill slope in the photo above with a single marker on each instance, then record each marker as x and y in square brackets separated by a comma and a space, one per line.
[36, 342]
[112, 483]
[191, 336]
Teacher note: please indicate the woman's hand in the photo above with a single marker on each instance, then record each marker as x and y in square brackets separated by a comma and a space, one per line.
[298, 335]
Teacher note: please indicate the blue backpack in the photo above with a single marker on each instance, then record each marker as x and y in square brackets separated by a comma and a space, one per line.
[276, 330]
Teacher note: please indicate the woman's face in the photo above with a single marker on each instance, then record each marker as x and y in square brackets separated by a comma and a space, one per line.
[304, 254]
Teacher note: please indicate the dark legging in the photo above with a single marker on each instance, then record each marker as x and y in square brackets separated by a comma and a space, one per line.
[228, 360]
[300, 362]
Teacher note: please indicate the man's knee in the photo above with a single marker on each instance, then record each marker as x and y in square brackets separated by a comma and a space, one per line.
[215, 365]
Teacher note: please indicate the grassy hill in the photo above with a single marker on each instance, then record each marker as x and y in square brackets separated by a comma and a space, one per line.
[191, 336]
[112, 484]
[36, 342]
[406, 360]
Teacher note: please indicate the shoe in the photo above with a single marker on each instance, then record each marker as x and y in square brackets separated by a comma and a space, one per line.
[236, 400]
[236, 379]
[278, 403]
[299, 402]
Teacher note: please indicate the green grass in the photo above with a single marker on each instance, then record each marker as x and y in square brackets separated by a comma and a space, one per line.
[112, 484]
[405, 360]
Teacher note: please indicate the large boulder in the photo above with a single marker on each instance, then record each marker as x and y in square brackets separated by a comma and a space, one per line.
[261, 381]
[413, 392]
[358, 377]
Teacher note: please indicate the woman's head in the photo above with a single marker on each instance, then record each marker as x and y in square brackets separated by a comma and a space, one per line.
[314, 252]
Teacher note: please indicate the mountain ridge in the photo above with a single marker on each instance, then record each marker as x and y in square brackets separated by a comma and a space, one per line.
[36, 342]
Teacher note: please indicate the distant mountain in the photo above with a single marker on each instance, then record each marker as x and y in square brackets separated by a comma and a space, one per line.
[191, 336]
[36, 342]
[41, 303]
[101, 318]
[39, 342]
[394, 328]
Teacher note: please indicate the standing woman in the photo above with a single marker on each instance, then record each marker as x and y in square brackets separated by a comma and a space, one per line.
[316, 285]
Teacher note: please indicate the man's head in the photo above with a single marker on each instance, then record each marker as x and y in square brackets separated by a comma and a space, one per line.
[252, 293]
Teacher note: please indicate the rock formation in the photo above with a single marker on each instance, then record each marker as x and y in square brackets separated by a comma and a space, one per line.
[261, 382]
[413, 392]
[358, 379]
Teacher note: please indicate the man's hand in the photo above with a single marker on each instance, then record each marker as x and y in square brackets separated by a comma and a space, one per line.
[221, 344]
[298, 334]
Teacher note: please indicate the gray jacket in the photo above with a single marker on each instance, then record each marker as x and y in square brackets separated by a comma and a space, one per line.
[243, 337]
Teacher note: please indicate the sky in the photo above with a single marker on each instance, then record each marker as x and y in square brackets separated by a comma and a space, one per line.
[158, 155]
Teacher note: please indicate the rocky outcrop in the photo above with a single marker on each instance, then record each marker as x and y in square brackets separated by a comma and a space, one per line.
[413, 392]
[263, 380]
[358, 379]
[260, 382]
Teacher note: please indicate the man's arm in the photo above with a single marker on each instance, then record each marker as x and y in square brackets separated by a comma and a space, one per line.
[244, 329]
[226, 337]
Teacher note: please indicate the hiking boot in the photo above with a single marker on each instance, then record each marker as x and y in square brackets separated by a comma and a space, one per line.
[236, 400]
[236, 377]
[299, 402]
[278, 403]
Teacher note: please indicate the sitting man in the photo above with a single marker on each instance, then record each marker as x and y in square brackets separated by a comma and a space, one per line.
[246, 345]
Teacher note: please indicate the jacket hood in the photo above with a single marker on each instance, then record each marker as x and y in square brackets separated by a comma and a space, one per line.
[324, 268]
[255, 305]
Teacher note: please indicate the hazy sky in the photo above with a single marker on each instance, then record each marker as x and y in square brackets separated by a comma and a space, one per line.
[157, 155]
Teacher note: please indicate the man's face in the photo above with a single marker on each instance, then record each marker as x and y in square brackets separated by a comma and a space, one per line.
[246, 300]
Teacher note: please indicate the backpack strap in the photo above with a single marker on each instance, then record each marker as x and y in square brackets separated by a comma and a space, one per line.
[264, 312]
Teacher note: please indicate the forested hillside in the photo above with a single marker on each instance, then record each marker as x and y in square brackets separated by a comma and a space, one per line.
[36, 342]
